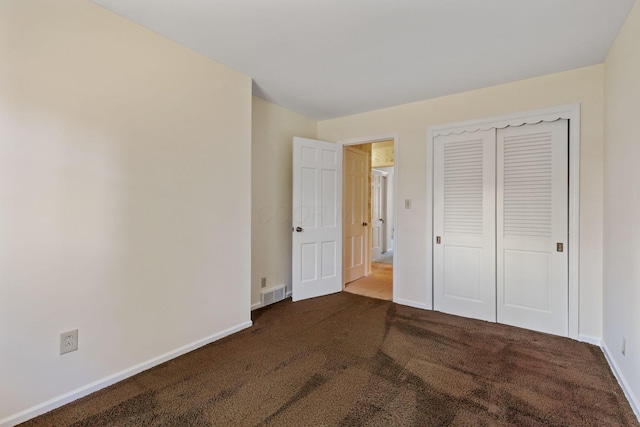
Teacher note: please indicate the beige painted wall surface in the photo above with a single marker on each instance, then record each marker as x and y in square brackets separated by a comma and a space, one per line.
[622, 202]
[117, 215]
[411, 121]
[271, 191]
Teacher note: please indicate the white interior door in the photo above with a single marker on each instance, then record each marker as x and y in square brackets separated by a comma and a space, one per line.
[532, 226]
[464, 224]
[378, 198]
[317, 210]
[356, 173]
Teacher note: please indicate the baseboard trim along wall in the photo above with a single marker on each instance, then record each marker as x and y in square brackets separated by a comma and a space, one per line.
[61, 400]
[413, 304]
[631, 397]
[590, 340]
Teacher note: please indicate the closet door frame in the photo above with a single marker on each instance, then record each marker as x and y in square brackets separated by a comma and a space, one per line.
[570, 112]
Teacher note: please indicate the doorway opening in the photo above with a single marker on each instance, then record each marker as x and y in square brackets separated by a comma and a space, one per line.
[369, 172]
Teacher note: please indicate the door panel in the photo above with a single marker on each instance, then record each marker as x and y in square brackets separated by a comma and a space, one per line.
[463, 273]
[378, 199]
[524, 271]
[356, 172]
[464, 221]
[317, 209]
[532, 196]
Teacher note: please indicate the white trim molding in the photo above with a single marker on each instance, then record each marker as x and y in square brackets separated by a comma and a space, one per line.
[63, 399]
[631, 397]
[517, 119]
[570, 112]
[371, 139]
[414, 304]
[590, 340]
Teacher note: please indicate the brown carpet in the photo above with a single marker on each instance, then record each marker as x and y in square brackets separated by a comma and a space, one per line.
[349, 360]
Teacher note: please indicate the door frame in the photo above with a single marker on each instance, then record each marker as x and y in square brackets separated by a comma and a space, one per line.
[570, 112]
[378, 138]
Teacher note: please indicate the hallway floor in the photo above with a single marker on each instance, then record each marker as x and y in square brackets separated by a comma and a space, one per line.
[378, 284]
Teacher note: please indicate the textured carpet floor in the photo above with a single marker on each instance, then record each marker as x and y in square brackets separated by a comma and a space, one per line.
[350, 360]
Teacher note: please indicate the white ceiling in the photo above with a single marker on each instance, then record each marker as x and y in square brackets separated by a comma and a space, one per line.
[331, 58]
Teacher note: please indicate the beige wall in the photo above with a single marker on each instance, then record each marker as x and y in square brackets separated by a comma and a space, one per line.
[271, 192]
[622, 203]
[117, 216]
[410, 121]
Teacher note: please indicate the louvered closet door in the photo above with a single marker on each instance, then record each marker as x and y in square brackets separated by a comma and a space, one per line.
[532, 219]
[464, 221]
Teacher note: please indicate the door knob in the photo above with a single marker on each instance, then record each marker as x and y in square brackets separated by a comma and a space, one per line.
[298, 229]
[382, 220]
[364, 224]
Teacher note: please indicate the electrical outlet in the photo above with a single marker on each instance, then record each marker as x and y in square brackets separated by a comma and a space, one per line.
[68, 341]
[263, 282]
[624, 346]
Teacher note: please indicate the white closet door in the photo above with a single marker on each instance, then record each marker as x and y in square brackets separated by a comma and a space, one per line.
[532, 227]
[464, 225]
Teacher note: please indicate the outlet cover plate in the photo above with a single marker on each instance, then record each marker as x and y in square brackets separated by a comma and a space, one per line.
[68, 341]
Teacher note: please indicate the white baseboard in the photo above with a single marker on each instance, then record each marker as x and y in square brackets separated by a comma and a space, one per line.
[631, 397]
[413, 304]
[63, 399]
[590, 340]
[287, 295]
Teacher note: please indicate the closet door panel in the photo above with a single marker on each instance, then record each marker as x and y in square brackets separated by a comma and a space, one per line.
[532, 226]
[464, 224]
